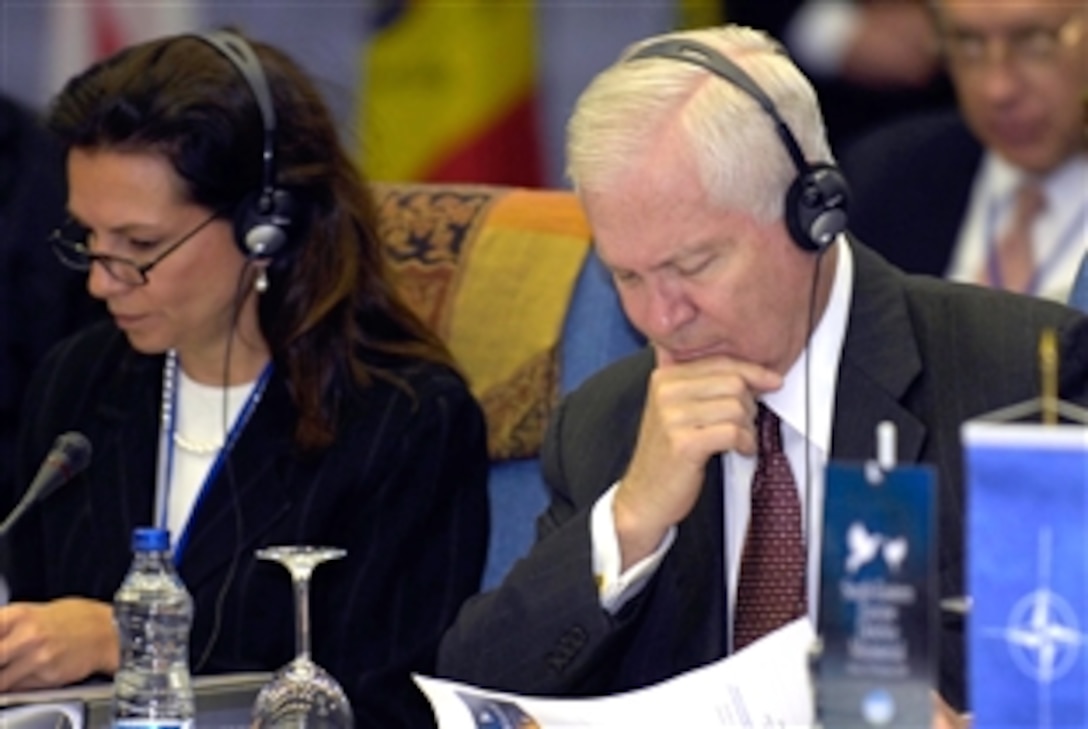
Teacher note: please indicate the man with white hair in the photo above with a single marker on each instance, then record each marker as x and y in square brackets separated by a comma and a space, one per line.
[702, 163]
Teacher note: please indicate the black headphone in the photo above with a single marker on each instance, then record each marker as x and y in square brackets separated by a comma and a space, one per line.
[817, 199]
[263, 220]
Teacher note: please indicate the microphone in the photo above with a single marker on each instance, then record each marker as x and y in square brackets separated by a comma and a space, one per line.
[70, 454]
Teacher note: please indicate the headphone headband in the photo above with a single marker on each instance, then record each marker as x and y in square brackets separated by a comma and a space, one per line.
[816, 201]
[701, 55]
[262, 225]
[241, 55]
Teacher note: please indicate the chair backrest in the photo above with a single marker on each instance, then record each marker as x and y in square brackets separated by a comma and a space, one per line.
[508, 278]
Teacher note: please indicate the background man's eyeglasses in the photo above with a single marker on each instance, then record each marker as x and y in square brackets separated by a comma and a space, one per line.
[1030, 48]
[70, 244]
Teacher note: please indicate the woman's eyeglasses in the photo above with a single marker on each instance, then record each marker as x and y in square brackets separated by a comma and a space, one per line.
[70, 244]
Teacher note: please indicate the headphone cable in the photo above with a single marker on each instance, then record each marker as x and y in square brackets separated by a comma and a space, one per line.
[228, 467]
[807, 396]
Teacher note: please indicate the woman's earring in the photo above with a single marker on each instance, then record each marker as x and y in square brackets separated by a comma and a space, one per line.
[261, 283]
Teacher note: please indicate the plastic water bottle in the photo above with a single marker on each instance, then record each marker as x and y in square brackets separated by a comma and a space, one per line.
[154, 612]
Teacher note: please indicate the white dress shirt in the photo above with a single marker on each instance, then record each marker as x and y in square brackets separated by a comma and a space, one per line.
[1059, 234]
[818, 383]
[204, 414]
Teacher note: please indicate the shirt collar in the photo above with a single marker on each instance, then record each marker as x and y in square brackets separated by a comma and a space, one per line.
[825, 347]
[1066, 182]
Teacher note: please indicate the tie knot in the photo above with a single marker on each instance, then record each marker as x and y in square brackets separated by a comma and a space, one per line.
[769, 430]
[1030, 201]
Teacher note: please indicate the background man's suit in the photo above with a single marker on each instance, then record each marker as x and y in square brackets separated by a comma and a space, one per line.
[910, 184]
[922, 353]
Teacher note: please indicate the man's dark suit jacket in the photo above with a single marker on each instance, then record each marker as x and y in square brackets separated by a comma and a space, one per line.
[402, 489]
[922, 353]
[910, 185]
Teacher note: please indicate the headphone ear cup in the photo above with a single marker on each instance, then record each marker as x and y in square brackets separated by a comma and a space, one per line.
[263, 223]
[816, 206]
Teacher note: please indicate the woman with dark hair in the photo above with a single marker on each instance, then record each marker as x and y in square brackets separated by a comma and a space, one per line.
[260, 383]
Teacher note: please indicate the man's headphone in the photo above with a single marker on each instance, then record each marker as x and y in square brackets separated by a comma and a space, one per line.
[817, 199]
[263, 220]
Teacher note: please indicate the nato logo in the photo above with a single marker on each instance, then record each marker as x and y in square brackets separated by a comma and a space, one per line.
[1042, 633]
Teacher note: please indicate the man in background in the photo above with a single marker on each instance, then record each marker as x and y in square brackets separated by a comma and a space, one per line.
[996, 194]
[871, 61]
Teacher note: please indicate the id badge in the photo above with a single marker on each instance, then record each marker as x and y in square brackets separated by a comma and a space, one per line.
[878, 595]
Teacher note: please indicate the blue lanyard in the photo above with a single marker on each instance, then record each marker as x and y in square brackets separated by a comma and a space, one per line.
[1068, 238]
[164, 481]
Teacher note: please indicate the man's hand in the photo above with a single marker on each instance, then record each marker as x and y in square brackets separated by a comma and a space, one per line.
[945, 717]
[693, 411]
[895, 46]
[45, 645]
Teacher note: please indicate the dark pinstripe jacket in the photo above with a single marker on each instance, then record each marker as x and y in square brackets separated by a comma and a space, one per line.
[910, 186]
[922, 353]
[403, 489]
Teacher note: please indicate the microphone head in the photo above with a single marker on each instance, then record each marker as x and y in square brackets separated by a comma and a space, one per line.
[71, 453]
[75, 449]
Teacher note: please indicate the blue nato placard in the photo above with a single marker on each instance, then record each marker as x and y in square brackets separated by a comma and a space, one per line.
[1027, 574]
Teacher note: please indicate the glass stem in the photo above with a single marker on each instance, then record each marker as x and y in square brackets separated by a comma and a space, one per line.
[302, 616]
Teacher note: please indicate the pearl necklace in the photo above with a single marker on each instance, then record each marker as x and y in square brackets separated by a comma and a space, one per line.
[169, 385]
[170, 437]
[197, 448]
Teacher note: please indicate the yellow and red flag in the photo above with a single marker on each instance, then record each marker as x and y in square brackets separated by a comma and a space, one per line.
[450, 93]
[700, 13]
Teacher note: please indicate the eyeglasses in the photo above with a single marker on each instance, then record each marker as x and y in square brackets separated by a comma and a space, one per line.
[70, 244]
[1032, 48]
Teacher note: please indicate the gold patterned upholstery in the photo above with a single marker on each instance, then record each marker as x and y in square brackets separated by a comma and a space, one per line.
[491, 269]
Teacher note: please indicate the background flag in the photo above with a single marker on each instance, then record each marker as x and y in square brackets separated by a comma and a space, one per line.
[83, 32]
[450, 93]
[700, 13]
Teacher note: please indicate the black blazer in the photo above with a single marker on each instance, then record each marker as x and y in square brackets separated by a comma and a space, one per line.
[910, 184]
[922, 353]
[403, 490]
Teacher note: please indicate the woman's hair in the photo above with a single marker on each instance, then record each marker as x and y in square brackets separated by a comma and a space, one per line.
[741, 161]
[331, 316]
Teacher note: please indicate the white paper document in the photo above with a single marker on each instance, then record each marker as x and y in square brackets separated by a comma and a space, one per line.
[766, 685]
[61, 715]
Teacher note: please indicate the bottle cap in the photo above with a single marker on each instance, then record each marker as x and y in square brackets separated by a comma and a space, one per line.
[150, 539]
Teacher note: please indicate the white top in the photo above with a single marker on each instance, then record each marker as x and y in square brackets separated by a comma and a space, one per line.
[1059, 234]
[203, 417]
[789, 403]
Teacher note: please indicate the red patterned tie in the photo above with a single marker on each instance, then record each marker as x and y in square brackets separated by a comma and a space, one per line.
[771, 590]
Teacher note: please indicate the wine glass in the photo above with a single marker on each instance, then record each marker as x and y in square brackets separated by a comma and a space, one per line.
[302, 695]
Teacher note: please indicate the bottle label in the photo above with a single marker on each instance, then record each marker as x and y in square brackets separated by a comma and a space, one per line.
[153, 724]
